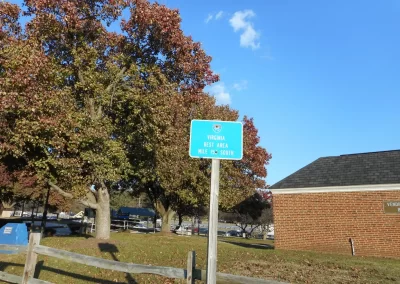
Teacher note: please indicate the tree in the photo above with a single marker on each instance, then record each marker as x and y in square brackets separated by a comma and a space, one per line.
[84, 110]
[252, 213]
[73, 92]
[189, 210]
[5, 192]
[189, 179]
[265, 221]
[128, 199]
[248, 212]
[179, 180]
[16, 185]
[239, 179]
[267, 217]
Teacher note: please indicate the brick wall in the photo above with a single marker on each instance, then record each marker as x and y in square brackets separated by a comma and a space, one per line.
[326, 221]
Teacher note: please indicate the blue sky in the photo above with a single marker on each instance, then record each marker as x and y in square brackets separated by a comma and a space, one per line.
[320, 78]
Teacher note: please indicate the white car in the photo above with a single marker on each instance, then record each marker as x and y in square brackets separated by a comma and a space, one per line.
[137, 226]
[183, 230]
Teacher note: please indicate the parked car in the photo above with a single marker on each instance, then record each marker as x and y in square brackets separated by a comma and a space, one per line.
[203, 231]
[182, 230]
[271, 235]
[138, 226]
[233, 233]
[221, 233]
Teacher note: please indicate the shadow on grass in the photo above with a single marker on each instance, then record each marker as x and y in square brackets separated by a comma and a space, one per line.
[248, 245]
[112, 250]
[41, 267]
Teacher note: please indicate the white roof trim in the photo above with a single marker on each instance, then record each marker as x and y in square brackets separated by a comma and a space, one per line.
[349, 188]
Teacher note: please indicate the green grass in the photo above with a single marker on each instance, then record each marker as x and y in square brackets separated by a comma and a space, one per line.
[253, 258]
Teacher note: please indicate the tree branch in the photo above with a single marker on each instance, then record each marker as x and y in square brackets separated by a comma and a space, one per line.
[99, 112]
[103, 185]
[70, 196]
[112, 85]
[60, 191]
[80, 76]
[91, 108]
[116, 79]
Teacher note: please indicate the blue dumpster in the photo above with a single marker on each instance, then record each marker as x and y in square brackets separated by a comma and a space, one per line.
[13, 234]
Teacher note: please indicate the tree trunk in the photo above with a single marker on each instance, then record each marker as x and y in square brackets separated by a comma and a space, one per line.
[265, 232]
[99, 201]
[33, 214]
[46, 206]
[103, 214]
[180, 219]
[166, 214]
[166, 221]
[243, 230]
[198, 225]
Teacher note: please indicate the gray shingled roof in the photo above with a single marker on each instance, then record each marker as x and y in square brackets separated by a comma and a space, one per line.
[354, 169]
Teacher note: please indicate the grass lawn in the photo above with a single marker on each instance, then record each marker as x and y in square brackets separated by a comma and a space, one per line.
[253, 258]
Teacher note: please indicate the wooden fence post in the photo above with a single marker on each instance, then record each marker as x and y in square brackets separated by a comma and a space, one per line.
[31, 257]
[191, 266]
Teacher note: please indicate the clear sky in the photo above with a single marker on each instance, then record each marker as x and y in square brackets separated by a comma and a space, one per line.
[320, 78]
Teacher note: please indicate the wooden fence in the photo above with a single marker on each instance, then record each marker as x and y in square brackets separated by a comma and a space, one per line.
[190, 273]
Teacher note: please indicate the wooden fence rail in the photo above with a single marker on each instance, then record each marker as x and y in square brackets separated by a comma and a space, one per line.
[11, 278]
[169, 272]
[190, 274]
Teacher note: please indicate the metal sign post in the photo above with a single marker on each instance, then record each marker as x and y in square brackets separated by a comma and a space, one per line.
[213, 223]
[216, 140]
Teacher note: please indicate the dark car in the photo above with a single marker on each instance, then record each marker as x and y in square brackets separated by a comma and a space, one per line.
[233, 233]
[203, 231]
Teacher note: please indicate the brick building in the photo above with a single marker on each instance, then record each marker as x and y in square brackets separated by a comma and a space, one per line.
[321, 206]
